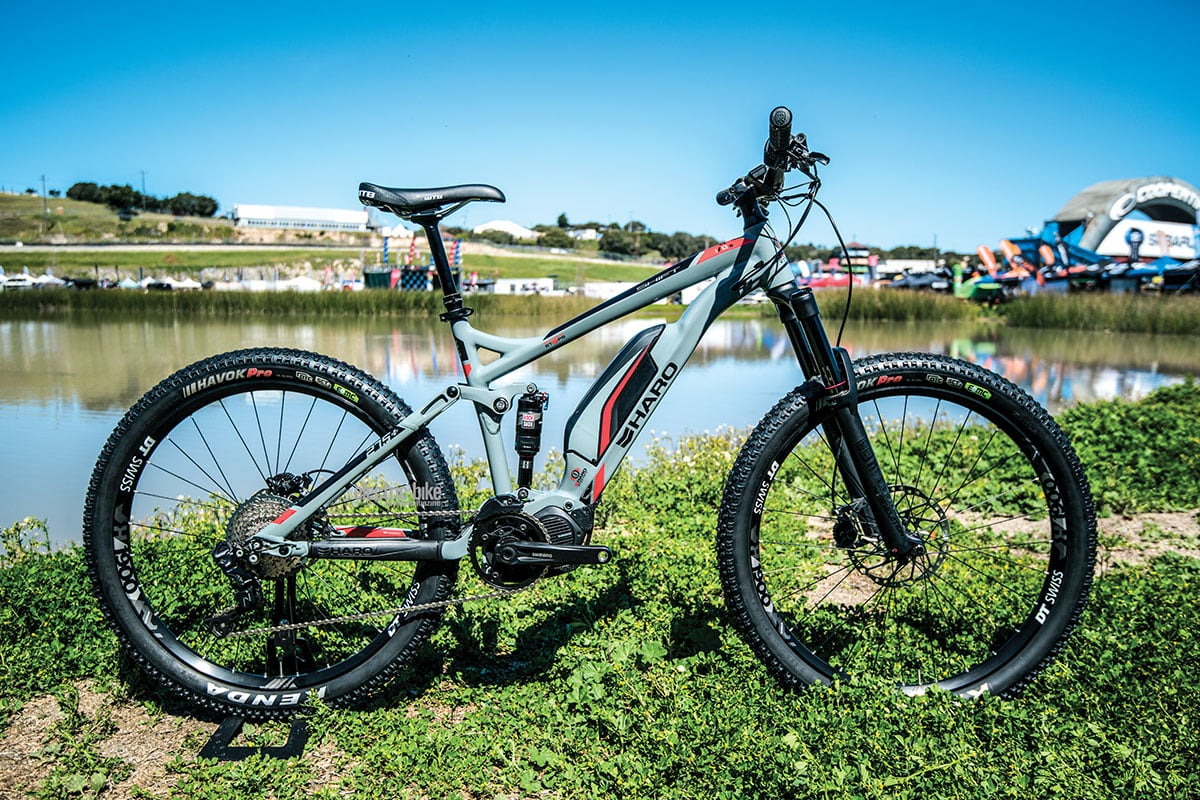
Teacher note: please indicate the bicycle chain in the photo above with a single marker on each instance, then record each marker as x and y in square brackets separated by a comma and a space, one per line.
[294, 626]
[437, 605]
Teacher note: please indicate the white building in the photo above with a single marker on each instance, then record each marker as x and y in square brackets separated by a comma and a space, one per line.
[295, 217]
[505, 226]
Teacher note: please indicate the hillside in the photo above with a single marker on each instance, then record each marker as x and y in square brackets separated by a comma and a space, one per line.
[59, 220]
[78, 239]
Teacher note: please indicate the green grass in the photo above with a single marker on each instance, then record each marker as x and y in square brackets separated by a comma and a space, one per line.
[57, 302]
[627, 681]
[85, 263]
[1120, 313]
[567, 270]
[23, 218]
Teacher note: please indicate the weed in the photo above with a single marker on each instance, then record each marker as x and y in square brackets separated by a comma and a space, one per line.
[626, 681]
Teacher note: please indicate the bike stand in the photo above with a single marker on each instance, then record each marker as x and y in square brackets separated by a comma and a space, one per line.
[219, 746]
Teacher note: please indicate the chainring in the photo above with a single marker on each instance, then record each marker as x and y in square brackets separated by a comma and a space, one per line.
[497, 530]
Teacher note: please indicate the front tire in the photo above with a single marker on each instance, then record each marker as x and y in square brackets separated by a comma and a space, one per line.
[214, 452]
[977, 469]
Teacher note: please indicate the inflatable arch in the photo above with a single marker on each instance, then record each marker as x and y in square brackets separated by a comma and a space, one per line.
[1098, 208]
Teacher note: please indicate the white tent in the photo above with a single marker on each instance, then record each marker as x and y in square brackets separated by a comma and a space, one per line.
[300, 284]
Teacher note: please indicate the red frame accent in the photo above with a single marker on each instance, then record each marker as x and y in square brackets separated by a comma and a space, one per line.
[606, 413]
[371, 532]
[717, 249]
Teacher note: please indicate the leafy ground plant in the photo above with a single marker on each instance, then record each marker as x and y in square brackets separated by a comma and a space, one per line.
[626, 681]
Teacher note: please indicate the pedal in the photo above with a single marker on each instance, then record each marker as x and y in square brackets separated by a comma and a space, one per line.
[540, 553]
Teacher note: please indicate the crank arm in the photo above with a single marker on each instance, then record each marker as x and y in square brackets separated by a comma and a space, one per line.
[541, 554]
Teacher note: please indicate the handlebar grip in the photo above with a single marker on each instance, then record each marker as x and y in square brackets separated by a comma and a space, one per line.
[779, 138]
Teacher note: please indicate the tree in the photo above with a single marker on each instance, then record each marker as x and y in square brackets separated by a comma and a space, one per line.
[86, 192]
[562, 220]
[186, 204]
[55, 193]
[119, 197]
[617, 241]
[556, 237]
[499, 237]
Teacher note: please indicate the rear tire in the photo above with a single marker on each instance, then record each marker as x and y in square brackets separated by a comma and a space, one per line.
[978, 469]
[215, 451]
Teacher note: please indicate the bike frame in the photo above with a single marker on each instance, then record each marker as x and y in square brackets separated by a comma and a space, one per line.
[607, 421]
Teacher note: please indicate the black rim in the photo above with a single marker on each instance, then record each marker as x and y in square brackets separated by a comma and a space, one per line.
[970, 482]
[208, 458]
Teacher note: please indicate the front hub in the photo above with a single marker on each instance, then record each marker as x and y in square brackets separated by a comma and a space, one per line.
[927, 526]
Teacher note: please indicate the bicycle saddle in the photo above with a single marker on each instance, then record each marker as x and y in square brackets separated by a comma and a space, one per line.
[407, 202]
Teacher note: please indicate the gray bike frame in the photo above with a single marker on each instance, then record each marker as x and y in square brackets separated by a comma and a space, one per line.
[594, 450]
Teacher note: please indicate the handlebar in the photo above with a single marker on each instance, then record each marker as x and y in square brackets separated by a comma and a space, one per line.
[782, 152]
[779, 139]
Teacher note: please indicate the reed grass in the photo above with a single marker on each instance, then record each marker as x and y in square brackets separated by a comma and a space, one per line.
[1178, 315]
[1119, 313]
[872, 305]
[56, 302]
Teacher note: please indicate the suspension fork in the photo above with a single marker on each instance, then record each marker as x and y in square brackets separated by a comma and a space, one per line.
[832, 372]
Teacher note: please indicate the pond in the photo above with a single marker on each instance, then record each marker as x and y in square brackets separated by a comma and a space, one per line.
[64, 383]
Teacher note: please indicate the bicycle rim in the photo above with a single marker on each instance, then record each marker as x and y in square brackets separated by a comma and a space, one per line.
[974, 486]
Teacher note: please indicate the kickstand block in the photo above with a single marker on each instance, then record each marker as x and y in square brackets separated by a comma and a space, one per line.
[219, 744]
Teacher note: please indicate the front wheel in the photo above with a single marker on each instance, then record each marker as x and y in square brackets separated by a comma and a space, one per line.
[978, 471]
[199, 465]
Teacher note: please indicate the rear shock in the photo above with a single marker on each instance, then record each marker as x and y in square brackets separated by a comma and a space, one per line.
[528, 440]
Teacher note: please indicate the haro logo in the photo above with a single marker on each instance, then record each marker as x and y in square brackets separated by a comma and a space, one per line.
[646, 404]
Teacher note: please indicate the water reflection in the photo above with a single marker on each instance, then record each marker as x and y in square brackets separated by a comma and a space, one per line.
[65, 383]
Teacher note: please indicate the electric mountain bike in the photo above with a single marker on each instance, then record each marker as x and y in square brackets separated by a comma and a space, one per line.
[270, 525]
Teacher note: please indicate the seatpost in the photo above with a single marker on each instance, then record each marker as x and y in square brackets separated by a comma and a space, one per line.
[455, 310]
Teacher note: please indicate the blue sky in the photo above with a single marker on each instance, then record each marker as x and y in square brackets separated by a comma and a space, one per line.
[961, 121]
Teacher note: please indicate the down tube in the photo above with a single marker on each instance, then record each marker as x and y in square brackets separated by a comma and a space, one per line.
[615, 411]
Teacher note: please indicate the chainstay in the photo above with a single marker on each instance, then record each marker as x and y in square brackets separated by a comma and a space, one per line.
[388, 612]
[391, 612]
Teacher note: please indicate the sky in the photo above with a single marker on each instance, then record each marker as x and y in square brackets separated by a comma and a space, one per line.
[948, 124]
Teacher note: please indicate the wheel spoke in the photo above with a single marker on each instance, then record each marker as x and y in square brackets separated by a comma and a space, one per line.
[215, 476]
[966, 478]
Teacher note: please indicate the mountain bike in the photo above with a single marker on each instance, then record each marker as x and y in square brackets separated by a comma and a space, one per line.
[270, 525]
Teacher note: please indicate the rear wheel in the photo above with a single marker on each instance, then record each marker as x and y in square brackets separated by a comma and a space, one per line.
[977, 469]
[207, 458]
